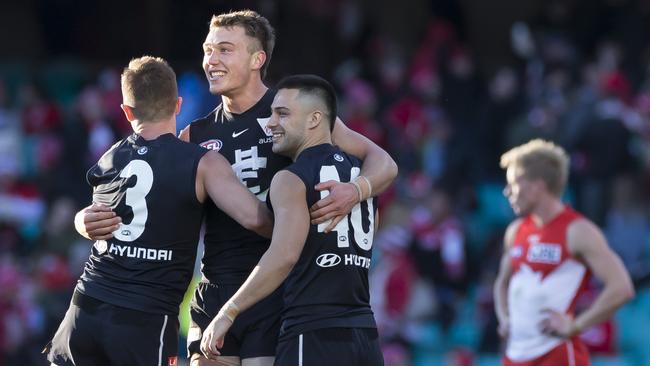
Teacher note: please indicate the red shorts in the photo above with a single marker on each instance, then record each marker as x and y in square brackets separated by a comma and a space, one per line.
[569, 353]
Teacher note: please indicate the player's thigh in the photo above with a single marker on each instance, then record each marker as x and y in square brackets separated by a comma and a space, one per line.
[141, 339]
[259, 328]
[570, 353]
[208, 299]
[331, 346]
[75, 340]
[200, 360]
[258, 361]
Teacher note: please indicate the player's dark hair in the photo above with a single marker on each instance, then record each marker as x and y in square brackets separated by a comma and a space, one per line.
[255, 25]
[313, 85]
[149, 88]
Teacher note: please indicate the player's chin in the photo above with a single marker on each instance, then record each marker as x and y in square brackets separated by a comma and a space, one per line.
[516, 209]
[217, 88]
[277, 148]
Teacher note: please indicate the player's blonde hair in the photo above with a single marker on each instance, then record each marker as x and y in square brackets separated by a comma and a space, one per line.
[149, 88]
[540, 159]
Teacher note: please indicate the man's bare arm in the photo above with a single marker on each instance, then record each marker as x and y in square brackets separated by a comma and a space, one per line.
[586, 241]
[231, 196]
[500, 290]
[378, 168]
[288, 195]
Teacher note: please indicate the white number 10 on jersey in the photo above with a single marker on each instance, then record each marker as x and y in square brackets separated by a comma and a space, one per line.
[342, 229]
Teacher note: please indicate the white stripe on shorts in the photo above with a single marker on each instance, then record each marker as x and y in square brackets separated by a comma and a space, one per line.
[570, 355]
[300, 350]
[162, 332]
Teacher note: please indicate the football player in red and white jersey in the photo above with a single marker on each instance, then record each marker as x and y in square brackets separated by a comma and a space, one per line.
[549, 253]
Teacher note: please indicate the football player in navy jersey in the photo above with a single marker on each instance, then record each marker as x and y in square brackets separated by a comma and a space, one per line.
[326, 319]
[125, 306]
[237, 52]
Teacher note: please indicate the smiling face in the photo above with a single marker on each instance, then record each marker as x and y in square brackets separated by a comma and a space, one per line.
[522, 193]
[288, 122]
[230, 59]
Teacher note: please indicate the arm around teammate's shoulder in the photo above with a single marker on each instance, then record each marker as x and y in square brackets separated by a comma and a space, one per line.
[586, 241]
[216, 178]
[379, 171]
[378, 166]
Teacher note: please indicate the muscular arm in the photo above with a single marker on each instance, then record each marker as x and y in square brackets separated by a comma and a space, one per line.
[586, 241]
[289, 234]
[216, 178]
[503, 279]
[378, 167]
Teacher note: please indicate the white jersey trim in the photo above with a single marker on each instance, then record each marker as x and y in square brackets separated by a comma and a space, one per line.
[300, 350]
[162, 333]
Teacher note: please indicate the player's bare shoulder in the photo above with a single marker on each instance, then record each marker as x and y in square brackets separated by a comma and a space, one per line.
[583, 233]
[286, 183]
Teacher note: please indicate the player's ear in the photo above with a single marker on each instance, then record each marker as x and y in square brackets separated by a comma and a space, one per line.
[259, 57]
[315, 119]
[128, 112]
[179, 101]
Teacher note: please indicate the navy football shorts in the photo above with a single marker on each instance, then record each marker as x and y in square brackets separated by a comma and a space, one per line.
[94, 333]
[255, 331]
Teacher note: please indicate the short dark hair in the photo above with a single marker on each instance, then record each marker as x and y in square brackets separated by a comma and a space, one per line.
[149, 88]
[313, 85]
[255, 25]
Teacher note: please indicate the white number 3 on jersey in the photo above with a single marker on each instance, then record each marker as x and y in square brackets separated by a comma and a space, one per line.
[135, 198]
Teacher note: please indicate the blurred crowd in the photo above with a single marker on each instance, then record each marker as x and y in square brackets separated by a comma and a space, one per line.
[442, 117]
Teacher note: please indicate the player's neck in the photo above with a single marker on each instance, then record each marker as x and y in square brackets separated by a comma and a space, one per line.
[546, 210]
[153, 130]
[244, 99]
[312, 141]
